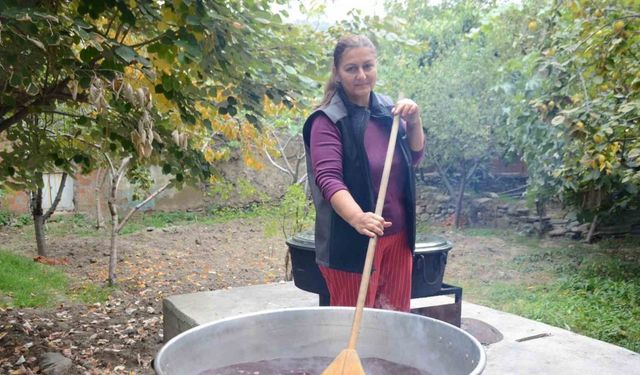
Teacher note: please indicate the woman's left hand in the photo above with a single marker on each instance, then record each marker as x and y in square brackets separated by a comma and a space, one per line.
[408, 110]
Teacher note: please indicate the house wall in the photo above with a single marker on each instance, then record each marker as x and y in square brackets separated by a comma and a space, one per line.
[268, 181]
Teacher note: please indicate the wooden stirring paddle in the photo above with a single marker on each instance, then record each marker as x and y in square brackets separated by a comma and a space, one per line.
[348, 362]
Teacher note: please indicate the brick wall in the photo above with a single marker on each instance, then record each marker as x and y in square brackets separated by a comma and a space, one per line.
[84, 194]
[16, 202]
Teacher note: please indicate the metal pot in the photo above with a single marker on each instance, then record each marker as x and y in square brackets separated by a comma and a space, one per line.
[429, 262]
[407, 339]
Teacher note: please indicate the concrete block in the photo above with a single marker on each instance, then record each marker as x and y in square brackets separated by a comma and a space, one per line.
[185, 311]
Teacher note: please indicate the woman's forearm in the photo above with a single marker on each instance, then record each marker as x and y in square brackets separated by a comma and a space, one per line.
[365, 223]
[415, 135]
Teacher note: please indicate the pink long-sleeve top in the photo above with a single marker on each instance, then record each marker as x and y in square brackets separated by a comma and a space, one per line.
[326, 158]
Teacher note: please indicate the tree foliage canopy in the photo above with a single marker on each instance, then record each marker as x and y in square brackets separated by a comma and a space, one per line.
[172, 82]
[577, 102]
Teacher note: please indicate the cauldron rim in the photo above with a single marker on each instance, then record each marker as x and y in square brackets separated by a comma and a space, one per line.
[166, 347]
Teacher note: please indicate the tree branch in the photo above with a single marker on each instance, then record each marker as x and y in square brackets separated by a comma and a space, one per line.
[124, 35]
[443, 176]
[476, 163]
[56, 201]
[139, 205]
[123, 168]
[273, 162]
[586, 94]
[75, 138]
[155, 39]
[112, 168]
[48, 95]
[109, 25]
[118, 32]
[63, 114]
[572, 49]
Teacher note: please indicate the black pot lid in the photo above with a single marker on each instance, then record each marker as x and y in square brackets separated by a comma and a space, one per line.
[426, 243]
[304, 240]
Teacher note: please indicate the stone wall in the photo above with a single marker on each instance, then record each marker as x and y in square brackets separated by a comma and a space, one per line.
[491, 211]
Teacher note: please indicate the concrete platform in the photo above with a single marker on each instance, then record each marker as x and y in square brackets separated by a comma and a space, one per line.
[527, 346]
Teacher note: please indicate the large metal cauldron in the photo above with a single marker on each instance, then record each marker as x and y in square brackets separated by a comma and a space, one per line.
[407, 339]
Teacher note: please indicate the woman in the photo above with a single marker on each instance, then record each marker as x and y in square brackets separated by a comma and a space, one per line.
[346, 141]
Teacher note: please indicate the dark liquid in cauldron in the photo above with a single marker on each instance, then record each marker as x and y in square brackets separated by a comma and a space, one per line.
[310, 366]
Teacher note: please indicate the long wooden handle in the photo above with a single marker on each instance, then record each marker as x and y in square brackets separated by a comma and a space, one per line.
[371, 249]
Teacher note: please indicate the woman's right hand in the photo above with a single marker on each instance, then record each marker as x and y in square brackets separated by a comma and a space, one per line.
[366, 223]
[369, 224]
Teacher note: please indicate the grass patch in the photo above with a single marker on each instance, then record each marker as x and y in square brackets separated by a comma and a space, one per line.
[83, 226]
[25, 283]
[251, 211]
[593, 290]
[77, 224]
[485, 232]
[140, 222]
[90, 293]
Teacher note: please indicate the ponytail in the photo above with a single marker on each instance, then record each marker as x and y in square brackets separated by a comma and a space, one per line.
[330, 89]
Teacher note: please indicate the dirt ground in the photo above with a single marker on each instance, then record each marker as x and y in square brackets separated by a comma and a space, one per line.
[122, 335]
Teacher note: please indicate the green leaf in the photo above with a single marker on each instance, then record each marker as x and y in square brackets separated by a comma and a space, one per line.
[558, 120]
[251, 118]
[88, 54]
[126, 53]
[83, 120]
[634, 156]
[628, 107]
[262, 20]
[193, 20]
[16, 80]
[125, 13]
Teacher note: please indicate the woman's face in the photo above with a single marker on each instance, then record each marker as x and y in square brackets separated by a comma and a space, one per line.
[357, 73]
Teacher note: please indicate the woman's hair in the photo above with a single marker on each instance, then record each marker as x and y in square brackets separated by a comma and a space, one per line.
[345, 42]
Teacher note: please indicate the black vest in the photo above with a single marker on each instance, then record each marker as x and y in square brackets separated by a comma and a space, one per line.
[338, 245]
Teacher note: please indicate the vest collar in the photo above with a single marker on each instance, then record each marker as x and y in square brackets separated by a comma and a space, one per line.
[340, 106]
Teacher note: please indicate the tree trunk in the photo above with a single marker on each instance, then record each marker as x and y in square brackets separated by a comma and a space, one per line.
[100, 179]
[540, 210]
[117, 225]
[463, 185]
[35, 204]
[39, 216]
[113, 254]
[592, 229]
[113, 248]
[116, 176]
[443, 175]
[459, 199]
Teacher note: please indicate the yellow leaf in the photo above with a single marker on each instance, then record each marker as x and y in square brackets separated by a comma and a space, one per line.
[597, 138]
[209, 156]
